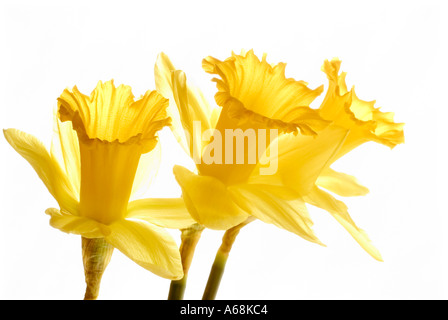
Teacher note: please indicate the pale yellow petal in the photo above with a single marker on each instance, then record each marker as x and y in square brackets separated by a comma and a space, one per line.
[191, 109]
[187, 104]
[163, 212]
[147, 170]
[208, 200]
[340, 183]
[149, 246]
[69, 223]
[164, 84]
[338, 210]
[46, 167]
[65, 148]
[214, 116]
[300, 159]
[276, 205]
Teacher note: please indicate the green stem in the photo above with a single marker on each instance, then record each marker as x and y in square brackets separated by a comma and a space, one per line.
[219, 265]
[189, 239]
[177, 289]
[214, 279]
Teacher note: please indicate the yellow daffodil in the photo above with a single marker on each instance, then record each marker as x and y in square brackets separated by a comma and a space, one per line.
[362, 122]
[248, 90]
[103, 146]
[257, 100]
[255, 95]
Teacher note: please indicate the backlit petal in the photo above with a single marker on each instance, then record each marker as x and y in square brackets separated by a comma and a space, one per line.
[340, 183]
[65, 148]
[147, 169]
[338, 210]
[187, 104]
[163, 212]
[300, 159]
[272, 205]
[69, 223]
[193, 108]
[208, 200]
[149, 246]
[46, 167]
[164, 84]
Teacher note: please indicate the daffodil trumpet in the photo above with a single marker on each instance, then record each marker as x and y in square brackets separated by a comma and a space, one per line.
[104, 150]
[252, 95]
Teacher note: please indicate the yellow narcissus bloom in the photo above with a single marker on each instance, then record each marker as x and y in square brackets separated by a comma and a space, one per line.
[103, 145]
[255, 95]
[362, 123]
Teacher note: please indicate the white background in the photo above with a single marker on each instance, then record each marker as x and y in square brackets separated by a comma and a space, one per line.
[394, 52]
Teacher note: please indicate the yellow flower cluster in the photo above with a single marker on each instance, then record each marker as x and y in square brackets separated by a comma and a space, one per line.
[261, 153]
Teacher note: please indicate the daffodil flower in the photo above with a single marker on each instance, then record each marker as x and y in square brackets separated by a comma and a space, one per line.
[105, 146]
[253, 94]
[362, 123]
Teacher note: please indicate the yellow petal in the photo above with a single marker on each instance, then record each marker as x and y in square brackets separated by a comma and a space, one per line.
[46, 167]
[300, 159]
[338, 210]
[163, 212]
[340, 183]
[276, 205]
[65, 148]
[110, 113]
[254, 89]
[187, 104]
[69, 223]
[192, 108]
[149, 246]
[208, 200]
[147, 170]
[164, 84]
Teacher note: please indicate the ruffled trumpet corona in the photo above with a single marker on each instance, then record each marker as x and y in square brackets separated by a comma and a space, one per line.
[105, 146]
[253, 95]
